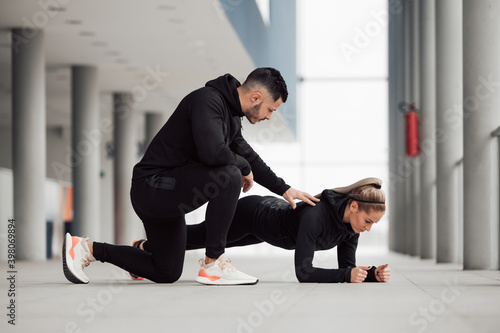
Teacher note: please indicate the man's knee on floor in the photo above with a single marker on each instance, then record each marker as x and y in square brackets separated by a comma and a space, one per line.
[168, 276]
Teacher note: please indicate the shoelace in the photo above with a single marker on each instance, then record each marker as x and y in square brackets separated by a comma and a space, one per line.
[224, 265]
[85, 262]
[227, 266]
[87, 255]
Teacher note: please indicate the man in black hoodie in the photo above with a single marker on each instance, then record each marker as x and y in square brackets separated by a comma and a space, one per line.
[198, 156]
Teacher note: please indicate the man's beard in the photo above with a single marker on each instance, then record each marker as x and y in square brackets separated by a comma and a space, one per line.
[253, 113]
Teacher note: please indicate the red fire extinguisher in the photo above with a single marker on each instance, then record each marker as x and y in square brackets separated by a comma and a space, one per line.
[411, 118]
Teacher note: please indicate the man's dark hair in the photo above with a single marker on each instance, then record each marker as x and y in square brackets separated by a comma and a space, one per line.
[270, 79]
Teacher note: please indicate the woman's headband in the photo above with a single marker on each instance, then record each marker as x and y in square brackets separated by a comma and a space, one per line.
[377, 186]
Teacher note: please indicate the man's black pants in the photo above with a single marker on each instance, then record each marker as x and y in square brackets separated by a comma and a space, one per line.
[161, 201]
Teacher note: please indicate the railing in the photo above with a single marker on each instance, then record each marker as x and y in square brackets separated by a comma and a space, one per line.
[459, 199]
[496, 132]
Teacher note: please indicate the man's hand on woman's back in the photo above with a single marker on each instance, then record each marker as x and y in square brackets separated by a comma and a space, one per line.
[292, 194]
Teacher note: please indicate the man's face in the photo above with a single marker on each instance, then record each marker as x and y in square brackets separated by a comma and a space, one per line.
[261, 108]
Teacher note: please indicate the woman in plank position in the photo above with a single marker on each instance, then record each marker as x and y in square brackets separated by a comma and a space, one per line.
[336, 221]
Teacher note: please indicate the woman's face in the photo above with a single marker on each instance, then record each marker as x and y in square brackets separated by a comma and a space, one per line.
[362, 221]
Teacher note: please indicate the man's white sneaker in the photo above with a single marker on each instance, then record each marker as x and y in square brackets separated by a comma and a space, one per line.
[76, 256]
[222, 272]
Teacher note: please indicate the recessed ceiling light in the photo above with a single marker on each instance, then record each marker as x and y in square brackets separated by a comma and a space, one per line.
[186, 32]
[73, 22]
[199, 43]
[113, 53]
[166, 7]
[100, 44]
[176, 20]
[87, 33]
[57, 9]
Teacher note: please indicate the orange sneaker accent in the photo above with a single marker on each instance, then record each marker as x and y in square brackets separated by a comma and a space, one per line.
[135, 278]
[205, 275]
[74, 241]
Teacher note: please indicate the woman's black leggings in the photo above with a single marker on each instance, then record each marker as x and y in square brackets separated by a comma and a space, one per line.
[161, 201]
[240, 232]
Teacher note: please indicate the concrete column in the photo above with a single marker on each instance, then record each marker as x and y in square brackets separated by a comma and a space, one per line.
[106, 179]
[281, 52]
[29, 142]
[448, 127]
[127, 224]
[85, 144]
[413, 163]
[397, 191]
[427, 130]
[481, 117]
[154, 122]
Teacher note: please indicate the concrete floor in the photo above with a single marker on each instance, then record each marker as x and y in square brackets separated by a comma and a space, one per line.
[421, 297]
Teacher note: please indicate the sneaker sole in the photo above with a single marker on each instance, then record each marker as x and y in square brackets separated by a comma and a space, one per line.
[223, 282]
[133, 276]
[66, 269]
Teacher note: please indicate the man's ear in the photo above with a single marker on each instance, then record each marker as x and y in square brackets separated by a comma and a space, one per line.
[256, 97]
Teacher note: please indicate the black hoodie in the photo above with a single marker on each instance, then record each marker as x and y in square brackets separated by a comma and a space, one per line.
[206, 128]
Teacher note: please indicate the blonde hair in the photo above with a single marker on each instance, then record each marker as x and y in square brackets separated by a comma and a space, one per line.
[367, 193]
[368, 197]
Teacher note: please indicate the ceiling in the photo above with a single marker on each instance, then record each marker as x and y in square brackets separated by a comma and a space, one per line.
[189, 42]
